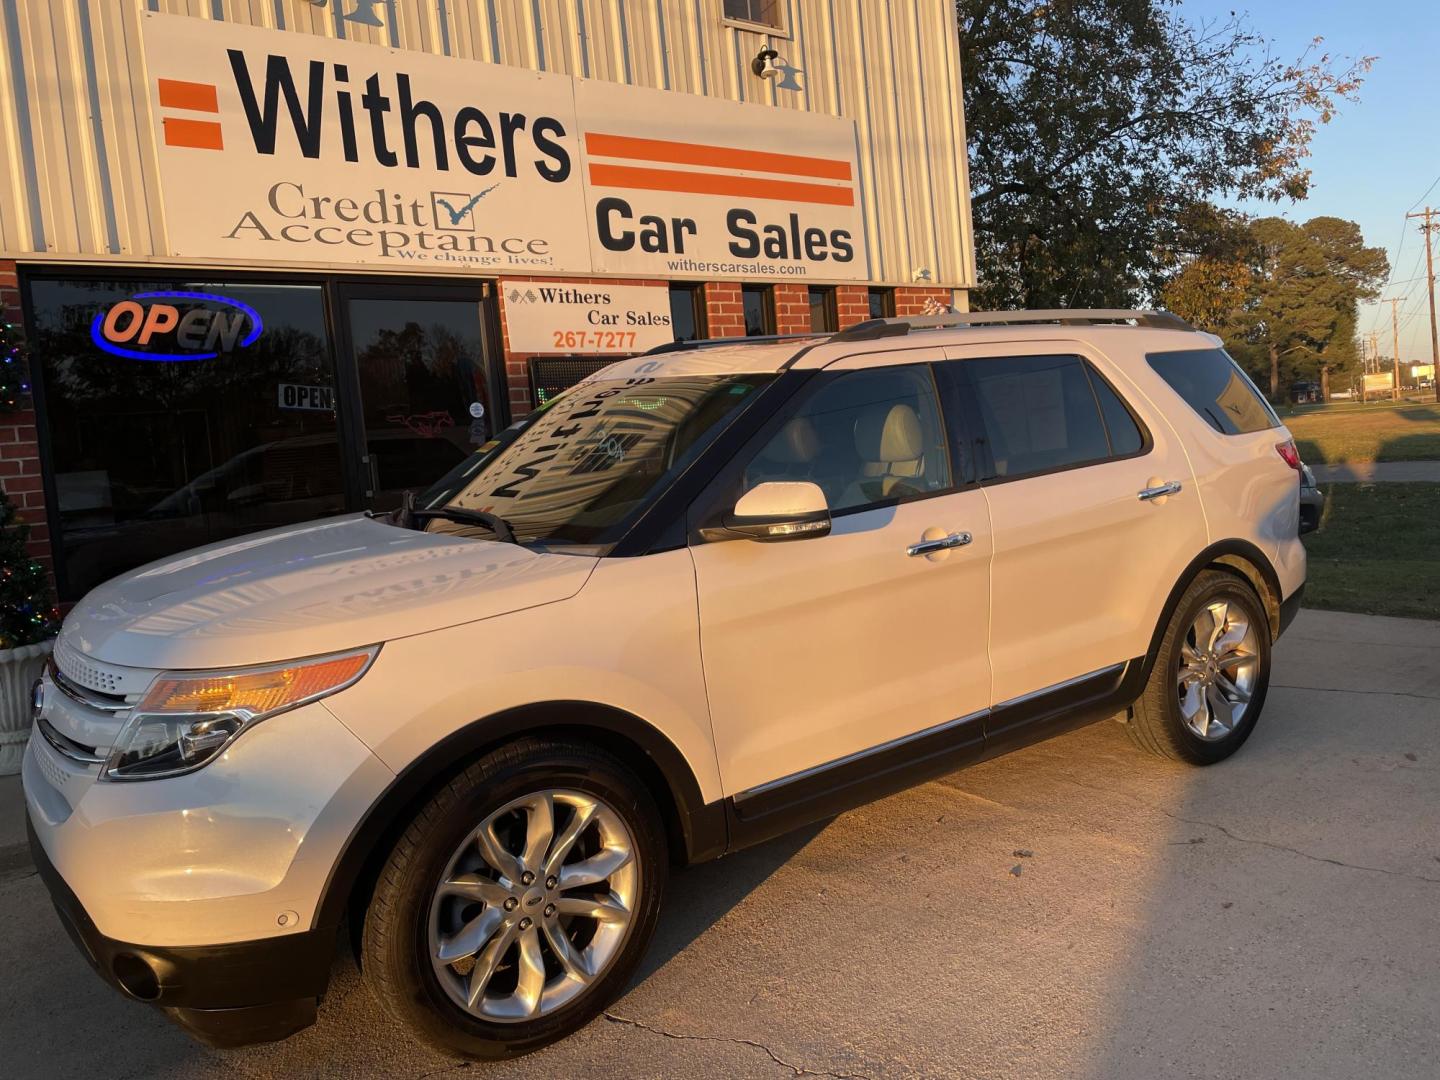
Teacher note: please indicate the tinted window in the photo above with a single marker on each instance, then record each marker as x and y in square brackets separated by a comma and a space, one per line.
[221, 423]
[1214, 386]
[1039, 412]
[1125, 436]
[822, 310]
[759, 305]
[687, 312]
[864, 437]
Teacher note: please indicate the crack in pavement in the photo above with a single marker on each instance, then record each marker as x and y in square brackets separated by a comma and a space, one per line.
[1344, 690]
[1252, 840]
[797, 1070]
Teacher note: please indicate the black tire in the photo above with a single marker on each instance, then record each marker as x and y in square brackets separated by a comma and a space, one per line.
[395, 956]
[1155, 723]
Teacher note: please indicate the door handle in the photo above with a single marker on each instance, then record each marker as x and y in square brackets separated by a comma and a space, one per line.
[1160, 490]
[944, 543]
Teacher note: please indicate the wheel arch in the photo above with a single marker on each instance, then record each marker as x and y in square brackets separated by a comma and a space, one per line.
[696, 829]
[1238, 557]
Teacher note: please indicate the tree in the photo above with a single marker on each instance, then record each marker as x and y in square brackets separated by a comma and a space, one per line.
[13, 383]
[1095, 127]
[1283, 296]
[27, 610]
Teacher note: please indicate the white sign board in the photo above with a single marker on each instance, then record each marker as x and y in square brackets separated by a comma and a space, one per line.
[541, 317]
[286, 147]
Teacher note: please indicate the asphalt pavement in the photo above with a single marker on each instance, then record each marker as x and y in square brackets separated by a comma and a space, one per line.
[1073, 910]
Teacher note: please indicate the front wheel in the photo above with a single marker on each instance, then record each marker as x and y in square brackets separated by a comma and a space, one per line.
[1210, 674]
[519, 901]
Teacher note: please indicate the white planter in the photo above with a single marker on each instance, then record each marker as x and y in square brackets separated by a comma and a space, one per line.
[19, 668]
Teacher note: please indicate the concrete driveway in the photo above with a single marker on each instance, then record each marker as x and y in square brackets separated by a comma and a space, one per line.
[1274, 916]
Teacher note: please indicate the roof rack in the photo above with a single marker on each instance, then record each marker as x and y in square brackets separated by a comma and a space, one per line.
[880, 328]
[708, 343]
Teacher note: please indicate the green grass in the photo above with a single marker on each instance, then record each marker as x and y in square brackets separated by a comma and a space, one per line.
[1340, 433]
[1377, 550]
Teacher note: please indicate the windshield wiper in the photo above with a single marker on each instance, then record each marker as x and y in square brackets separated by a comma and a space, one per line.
[494, 522]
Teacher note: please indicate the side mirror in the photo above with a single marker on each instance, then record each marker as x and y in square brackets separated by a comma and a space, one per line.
[778, 510]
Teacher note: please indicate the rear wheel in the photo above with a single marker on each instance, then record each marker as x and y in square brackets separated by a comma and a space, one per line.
[519, 900]
[1210, 675]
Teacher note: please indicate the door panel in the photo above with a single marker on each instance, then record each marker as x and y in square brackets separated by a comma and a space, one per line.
[1082, 564]
[819, 649]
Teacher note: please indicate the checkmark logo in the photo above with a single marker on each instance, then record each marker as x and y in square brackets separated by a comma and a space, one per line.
[452, 207]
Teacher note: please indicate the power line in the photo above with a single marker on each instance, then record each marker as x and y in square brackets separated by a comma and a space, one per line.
[1429, 226]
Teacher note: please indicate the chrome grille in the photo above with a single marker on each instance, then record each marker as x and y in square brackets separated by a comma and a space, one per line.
[82, 672]
[91, 699]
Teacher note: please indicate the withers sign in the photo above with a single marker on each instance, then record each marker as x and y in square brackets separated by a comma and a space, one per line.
[169, 325]
[285, 147]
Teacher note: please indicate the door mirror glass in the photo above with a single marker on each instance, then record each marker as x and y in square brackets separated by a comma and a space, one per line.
[777, 510]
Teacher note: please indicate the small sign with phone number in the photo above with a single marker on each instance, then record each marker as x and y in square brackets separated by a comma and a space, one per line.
[544, 317]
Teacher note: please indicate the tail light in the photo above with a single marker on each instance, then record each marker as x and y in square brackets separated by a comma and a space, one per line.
[1291, 455]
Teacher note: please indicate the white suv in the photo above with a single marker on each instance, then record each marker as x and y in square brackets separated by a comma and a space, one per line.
[710, 594]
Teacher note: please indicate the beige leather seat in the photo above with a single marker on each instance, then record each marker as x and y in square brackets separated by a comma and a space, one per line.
[891, 445]
[790, 455]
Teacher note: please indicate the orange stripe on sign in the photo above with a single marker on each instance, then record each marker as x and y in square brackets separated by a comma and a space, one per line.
[717, 157]
[176, 94]
[628, 176]
[200, 134]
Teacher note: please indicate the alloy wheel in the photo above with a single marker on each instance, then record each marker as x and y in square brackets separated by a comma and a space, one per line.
[1219, 663]
[534, 905]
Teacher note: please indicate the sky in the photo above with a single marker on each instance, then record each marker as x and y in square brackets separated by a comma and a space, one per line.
[1376, 160]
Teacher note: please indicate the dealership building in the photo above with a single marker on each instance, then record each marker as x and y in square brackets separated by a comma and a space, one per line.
[278, 259]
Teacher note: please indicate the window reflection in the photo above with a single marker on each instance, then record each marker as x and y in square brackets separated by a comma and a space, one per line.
[153, 456]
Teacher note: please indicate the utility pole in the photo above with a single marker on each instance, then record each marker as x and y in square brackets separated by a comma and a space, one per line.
[1427, 228]
[1394, 303]
[1372, 354]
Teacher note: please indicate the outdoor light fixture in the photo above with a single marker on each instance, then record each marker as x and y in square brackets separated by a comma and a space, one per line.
[764, 64]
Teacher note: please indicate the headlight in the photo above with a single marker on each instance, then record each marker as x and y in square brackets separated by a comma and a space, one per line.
[187, 718]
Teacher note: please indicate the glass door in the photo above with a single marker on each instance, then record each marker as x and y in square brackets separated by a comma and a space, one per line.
[427, 378]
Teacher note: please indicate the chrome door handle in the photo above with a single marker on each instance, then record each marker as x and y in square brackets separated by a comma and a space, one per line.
[927, 547]
[1172, 488]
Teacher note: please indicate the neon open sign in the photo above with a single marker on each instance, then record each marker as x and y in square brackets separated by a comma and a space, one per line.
[171, 325]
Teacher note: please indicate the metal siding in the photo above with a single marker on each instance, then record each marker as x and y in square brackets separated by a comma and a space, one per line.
[75, 102]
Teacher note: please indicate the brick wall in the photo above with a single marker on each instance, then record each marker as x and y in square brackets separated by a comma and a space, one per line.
[19, 445]
[724, 314]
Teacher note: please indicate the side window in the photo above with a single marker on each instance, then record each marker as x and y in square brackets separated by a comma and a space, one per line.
[865, 437]
[1040, 413]
[1214, 386]
[1125, 435]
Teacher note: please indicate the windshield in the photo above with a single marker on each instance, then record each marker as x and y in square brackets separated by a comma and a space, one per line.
[577, 471]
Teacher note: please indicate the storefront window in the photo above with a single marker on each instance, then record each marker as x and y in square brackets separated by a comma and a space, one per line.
[759, 306]
[823, 318]
[882, 303]
[179, 413]
[687, 312]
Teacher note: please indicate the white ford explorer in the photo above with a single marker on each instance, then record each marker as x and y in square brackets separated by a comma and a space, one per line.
[709, 594]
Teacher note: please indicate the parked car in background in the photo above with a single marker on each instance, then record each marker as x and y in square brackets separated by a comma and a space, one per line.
[1312, 501]
[707, 595]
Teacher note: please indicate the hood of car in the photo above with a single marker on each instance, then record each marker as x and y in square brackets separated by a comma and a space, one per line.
[310, 589]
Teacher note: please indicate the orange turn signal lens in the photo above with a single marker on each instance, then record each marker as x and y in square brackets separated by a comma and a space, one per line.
[255, 692]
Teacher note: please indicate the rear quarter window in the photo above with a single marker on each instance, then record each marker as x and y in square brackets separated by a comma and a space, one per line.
[1214, 386]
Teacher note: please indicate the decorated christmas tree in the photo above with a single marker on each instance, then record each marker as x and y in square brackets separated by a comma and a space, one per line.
[13, 382]
[27, 611]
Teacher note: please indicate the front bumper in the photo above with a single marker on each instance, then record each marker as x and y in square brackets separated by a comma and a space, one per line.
[202, 894]
[227, 995]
